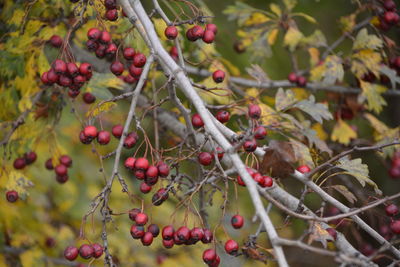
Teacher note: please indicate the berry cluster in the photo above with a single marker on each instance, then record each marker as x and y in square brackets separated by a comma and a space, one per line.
[27, 159]
[61, 169]
[111, 10]
[389, 16]
[394, 170]
[89, 133]
[301, 81]
[86, 251]
[194, 33]
[261, 180]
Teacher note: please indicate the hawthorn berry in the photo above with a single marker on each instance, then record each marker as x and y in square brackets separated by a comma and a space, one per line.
[101, 51]
[301, 81]
[61, 170]
[105, 37]
[92, 45]
[391, 210]
[141, 218]
[190, 36]
[79, 80]
[62, 178]
[153, 229]
[103, 137]
[73, 94]
[44, 79]
[196, 234]
[152, 172]
[218, 76]
[267, 182]
[173, 52]
[117, 131]
[117, 68]
[137, 231]
[183, 233]
[237, 221]
[394, 172]
[197, 121]
[85, 69]
[12, 196]
[133, 212]
[303, 169]
[30, 157]
[212, 27]
[145, 188]
[208, 37]
[395, 226]
[260, 132]
[64, 81]
[66, 160]
[168, 232]
[134, 71]
[97, 250]
[59, 66]
[110, 4]
[209, 255]
[205, 158]
[147, 239]
[240, 181]
[83, 138]
[292, 77]
[216, 262]
[128, 53]
[171, 32]
[332, 232]
[163, 169]
[72, 69]
[258, 178]
[197, 32]
[49, 164]
[391, 17]
[178, 241]
[389, 5]
[111, 14]
[142, 164]
[254, 111]
[52, 76]
[130, 163]
[231, 247]
[207, 236]
[140, 174]
[223, 116]
[168, 243]
[250, 145]
[90, 131]
[94, 34]
[88, 98]
[56, 41]
[220, 152]
[111, 49]
[86, 251]
[139, 60]
[19, 163]
[71, 253]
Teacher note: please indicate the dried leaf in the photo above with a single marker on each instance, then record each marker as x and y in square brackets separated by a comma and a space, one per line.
[302, 152]
[343, 133]
[344, 191]
[367, 41]
[319, 234]
[373, 94]
[278, 159]
[317, 111]
[284, 99]
[257, 73]
[358, 170]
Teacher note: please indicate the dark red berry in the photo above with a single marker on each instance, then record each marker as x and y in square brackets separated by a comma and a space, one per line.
[111, 49]
[303, 169]
[66, 161]
[183, 233]
[190, 36]
[395, 227]
[231, 247]
[45, 79]
[129, 53]
[137, 231]
[117, 130]
[391, 210]
[151, 180]
[134, 71]
[71, 253]
[52, 76]
[90, 131]
[258, 178]
[240, 181]
[220, 153]
[12, 196]
[207, 237]
[62, 178]
[292, 77]
[56, 41]
[112, 14]
[237, 221]
[208, 37]
[50, 242]
[196, 234]
[216, 262]
[154, 229]
[133, 212]
[101, 51]
[59, 66]
[147, 239]
[389, 5]
[85, 69]
[92, 45]
[394, 172]
[218, 76]
[174, 52]
[332, 232]
[19, 163]
[250, 145]
[86, 251]
[97, 250]
[142, 164]
[391, 17]
[209, 255]
[145, 188]
[301, 81]
[171, 32]
[61, 170]
[94, 33]
[88, 98]
[197, 121]
[117, 68]
[168, 232]
[72, 69]
[139, 60]
[223, 116]
[110, 4]
[141, 218]
[103, 137]
[83, 138]
[254, 111]
[30, 157]
[140, 174]
[79, 80]
[105, 37]
[64, 81]
[260, 132]
[163, 169]
[152, 171]
[197, 32]
[168, 243]
[49, 164]
[205, 158]
[212, 27]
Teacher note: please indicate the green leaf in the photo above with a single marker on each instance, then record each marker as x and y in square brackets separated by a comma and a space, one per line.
[367, 41]
[344, 191]
[11, 65]
[292, 38]
[239, 11]
[290, 4]
[373, 94]
[358, 170]
[276, 9]
[284, 99]
[317, 111]
[307, 17]
[316, 39]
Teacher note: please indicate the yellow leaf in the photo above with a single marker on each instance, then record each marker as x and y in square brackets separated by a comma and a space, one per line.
[378, 126]
[314, 56]
[317, 127]
[160, 26]
[97, 110]
[373, 94]
[253, 92]
[233, 70]
[32, 257]
[101, 81]
[256, 18]
[17, 17]
[269, 115]
[292, 38]
[343, 133]
[276, 9]
[365, 61]
[367, 41]
[272, 35]
[19, 182]
[42, 63]
[347, 23]
[317, 72]
[300, 93]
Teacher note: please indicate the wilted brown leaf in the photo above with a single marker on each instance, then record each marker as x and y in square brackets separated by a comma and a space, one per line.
[278, 159]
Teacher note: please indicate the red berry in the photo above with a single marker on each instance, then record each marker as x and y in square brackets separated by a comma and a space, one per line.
[111, 14]
[64, 81]
[12, 196]
[130, 163]
[86, 251]
[254, 111]
[147, 239]
[216, 262]
[303, 169]
[101, 51]
[110, 4]
[111, 49]
[197, 32]
[153, 229]
[85, 69]
[72, 69]
[129, 53]
[117, 68]
[19, 163]
[105, 37]
[250, 145]
[79, 80]
[168, 243]
[174, 52]
[88, 98]
[61, 170]
[209, 255]
[137, 231]
[171, 32]
[220, 153]
[97, 250]
[145, 188]
[190, 36]
[240, 181]
[140, 174]
[208, 37]
[135, 72]
[71, 253]
[332, 232]
[117, 131]
[223, 116]
[52, 76]
[212, 27]
[391, 17]
[391, 210]
[90, 131]
[258, 178]
[163, 169]
[389, 5]
[197, 121]
[260, 132]
[292, 77]
[205, 158]
[218, 76]
[56, 41]
[30, 157]
[45, 79]
[49, 164]
[301, 81]
[139, 60]
[396, 162]
[59, 66]
[196, 234]
[62, 178]
[142, 164]
[395, 226]
[231, 247]
[92, 45]
[94, 33]
[66, 160]
[141, 218]
[152, 171]
[268, 181]
[237, 221]
[183, 233]
[83, 138]
[168, 232]
[394, 172]
[133, 213]
[130, 79]
[207, 237]
[103, 137]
